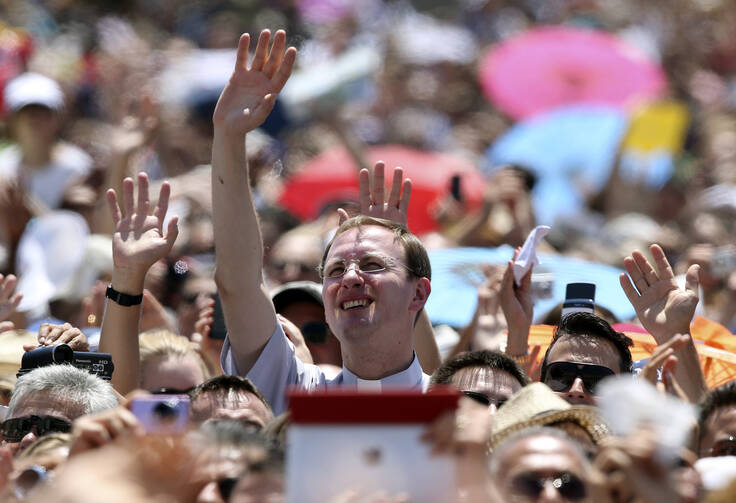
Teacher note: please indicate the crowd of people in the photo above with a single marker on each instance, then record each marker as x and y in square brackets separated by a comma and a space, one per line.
[166, 311]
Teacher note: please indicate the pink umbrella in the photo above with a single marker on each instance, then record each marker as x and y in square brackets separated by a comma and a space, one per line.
[547, 67]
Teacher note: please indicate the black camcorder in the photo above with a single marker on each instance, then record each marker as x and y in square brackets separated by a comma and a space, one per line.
[99, 364]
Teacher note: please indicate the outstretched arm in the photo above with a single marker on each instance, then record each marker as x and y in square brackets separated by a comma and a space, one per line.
[244, 104]
[138, 243]
[665, 310]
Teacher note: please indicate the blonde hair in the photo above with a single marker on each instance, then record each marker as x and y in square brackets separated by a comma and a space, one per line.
[163, 343]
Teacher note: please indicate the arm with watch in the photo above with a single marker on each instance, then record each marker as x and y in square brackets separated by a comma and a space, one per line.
[138, 242]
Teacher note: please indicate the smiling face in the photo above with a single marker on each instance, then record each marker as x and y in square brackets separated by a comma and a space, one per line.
[375, 308]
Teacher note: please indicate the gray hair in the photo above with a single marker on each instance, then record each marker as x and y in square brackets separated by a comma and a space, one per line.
[544, 431]
[87, 392]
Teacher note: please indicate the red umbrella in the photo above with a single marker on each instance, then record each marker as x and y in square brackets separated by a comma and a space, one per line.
[547, 67]
[332, 176]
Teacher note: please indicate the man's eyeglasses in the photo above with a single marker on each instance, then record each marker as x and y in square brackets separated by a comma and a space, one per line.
[529, 485]
[723, 447]
[15, 429]
[367, 264]
[560, 376]
[483, 398]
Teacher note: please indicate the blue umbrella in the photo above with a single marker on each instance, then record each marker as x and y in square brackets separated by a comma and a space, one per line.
[568, 148]
[456, 275]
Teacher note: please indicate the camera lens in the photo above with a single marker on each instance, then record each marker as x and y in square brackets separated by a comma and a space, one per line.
[165, 411]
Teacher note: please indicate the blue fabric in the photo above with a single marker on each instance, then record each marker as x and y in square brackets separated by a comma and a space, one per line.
[456, 275]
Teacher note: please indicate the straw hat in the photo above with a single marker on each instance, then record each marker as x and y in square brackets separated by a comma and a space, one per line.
[11, 353]
[537, 405]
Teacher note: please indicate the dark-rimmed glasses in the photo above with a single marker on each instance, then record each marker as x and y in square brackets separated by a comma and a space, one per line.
[484, 399]
[15, 429]
[530, 485]
[560, 376]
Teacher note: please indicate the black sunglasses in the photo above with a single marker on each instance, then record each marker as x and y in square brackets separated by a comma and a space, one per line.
[15, 429]
[560, 376]
[724, 447]
[483, 398]
[172, 391]
[530, 485]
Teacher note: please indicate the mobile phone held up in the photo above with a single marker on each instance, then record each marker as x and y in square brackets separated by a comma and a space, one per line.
[579, 297]
[162, 414]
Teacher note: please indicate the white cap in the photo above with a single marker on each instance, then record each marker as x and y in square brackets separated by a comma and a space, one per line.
[33, 89]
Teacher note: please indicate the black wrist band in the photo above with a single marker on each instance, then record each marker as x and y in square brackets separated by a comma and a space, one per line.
[123, 298]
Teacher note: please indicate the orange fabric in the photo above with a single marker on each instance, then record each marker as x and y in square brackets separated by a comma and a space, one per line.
[717, 352]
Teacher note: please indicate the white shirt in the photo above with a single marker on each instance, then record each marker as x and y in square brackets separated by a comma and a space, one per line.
[278, 368]
[69, 166]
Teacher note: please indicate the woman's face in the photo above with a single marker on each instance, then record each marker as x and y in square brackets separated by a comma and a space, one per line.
[172, 372]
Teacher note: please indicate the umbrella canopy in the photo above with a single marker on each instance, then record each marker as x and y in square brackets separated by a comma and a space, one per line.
[547, 67]
[457, 273]
[333, 177]
[568, 148]
[719, 366]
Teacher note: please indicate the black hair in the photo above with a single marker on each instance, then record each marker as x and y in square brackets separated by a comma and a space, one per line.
[589, 326]
[225, 383]
[484, 358]
[722, 396]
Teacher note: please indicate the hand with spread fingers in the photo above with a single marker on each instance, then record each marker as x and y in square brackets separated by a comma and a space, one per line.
[250, 94]
[8, 301]
[372, 195]
[663, 308]
[53, 335]
[139, 240]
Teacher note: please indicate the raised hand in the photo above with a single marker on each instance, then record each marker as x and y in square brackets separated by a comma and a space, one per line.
[518, 308]
[8, 301]
[250, 94]
[662, 307]
[139, 240]
[372, 195]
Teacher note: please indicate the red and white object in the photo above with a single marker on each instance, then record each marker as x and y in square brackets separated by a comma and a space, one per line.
[366, 442]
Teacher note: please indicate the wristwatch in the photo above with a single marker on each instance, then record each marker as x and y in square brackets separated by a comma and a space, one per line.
[123, 298]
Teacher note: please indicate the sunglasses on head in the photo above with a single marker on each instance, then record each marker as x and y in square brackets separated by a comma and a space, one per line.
[530, 485]
[724, 447]
[560, 376]
[483, 398]
[172, 391]
[15, 429]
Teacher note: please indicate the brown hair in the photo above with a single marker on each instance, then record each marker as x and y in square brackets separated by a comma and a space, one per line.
[417, 260]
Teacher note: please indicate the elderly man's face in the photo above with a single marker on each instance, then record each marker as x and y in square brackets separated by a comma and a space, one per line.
[542, 468]
[43, 404]
[719, 435]
[595, 352]
[495, 385]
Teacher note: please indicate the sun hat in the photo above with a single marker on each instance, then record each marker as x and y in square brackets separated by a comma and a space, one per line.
[536, 405]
